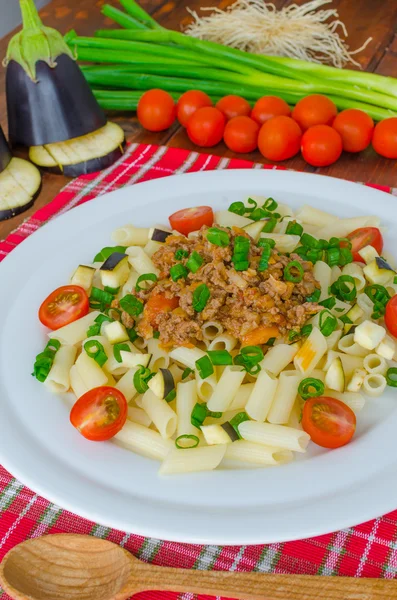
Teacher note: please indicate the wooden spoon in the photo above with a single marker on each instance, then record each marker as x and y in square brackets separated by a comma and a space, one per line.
[80, 567]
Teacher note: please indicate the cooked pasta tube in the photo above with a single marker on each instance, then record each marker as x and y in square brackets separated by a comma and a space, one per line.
[355, 271]
[186, 356]
[310, 354]
[224, 341]
[138, 415]
[322, 272]
[206, 387]
[186, 398]
[160, 357]
[76, 383]
[58, 379]
[373, 363]
[126, 384]
[278, 357]
[355, 401]
[144, 441]
[160, 414]
[129, 235]
[205, 458]
[241, 398]
[284, 397]
[349, 346]
[74, 332]
[225, 218]
[276, 436]
[315, 216]
[211, 329]
[140, 261]
[226, 389]
[374, 384]
[90, 372]
[262, 396]
[257, 454]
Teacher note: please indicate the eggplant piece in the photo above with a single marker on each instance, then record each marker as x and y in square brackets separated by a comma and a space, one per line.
[157, 234]
[115, 270]
[115, 332]
[162, 384]
[81, 155]
[83, 276]
[48, 98]
[20, 184]
[112, 261]
[5, 152]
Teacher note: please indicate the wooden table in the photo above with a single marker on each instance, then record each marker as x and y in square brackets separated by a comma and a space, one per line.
[363, 18]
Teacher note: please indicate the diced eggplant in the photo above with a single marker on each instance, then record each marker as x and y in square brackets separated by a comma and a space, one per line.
[5, 152]
[131, 359]
[354, 314]
[20, 184]
[115, 270]
[83, 276]
[381, 263]
[379, 274]
[82, 155]
[158, 234]
[219, 434]
[162, 383]
[115, 332]
[335, 377]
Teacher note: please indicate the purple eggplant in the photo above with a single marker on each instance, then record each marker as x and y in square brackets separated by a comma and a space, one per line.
[5, 152]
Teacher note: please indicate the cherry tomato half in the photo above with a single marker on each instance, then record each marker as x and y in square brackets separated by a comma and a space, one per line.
[234, 106]
[268, 107]
[156, 110]
[365, 236]
[192, 219]
[159, 304]
[329, 422]
[314, 110]
[355, 128]
[321, 146]
[188, 103]
[63, 306]
[100, 413]
[279, 138]
[241, 134]
[206, 126]
[384, 139]
[391, 316]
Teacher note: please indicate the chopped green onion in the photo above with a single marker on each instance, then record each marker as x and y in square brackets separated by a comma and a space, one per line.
[294, 336]
[240, 253]
[220, 357]
[314, 297]
[263, 242]
[270, 342]
[294, 228]
[178, 272]
[270, 204]
[391, 377]
[186, 441]
[117, 349]
[218, 237]
[311, 242]
[264, 259]
[141, 378]
[258, 214]
[328, 302]
[100, 299]
[346, 257]
[340, 288]
[95, 350]
[237, 420]
[45, 359]
[181, 253]
[188, 371]
[108, 251]
[333, 257]
[395, 280]
[111, 290]
[194, 262]
[156, 335]
[200, 412]
[132, 334]
[254, 205]
[310, 388]
[301, 252]
[237, 208]
[288, 272]
[201, 295]
[171, 396]
[204, 367]
[249, 358]
[131, 305]
[145, 277]
[377, 293]
[328, 323]
[270, 225]
[314, 255]
[95, 328]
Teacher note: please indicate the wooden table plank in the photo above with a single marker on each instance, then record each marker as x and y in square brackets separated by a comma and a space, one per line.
[363, 18]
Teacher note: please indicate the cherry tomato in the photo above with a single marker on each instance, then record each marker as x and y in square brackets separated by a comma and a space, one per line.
[314, 110]
[234, 106]
[279, 138]
[241, 134]
[159, 304]
[321, 146]
[384, 139]
[391, 316]
[355, 128]
[329, 422]
[100, 413]
[63, 306]
[189, 102]
[365, 236]
[268, 107]
[206, 126]
[156, 110]
[192, 219]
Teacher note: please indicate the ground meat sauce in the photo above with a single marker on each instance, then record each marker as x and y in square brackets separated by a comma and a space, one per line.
[240, 301]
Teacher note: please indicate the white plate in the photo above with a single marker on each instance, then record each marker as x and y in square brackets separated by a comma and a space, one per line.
[325, 491]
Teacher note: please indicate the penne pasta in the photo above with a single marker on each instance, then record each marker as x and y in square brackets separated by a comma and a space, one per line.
[90, 372]
[355, 401]
[241, 398]
[186, 398]
[225, 218]
[126, 384]
[276, 436]
[160, 357]
[284, 397]
[74, 332]
[152, 247]
[262, 396]
[211, 329]
[138, 415]
[205, 458]
[58, 379]
[322, 272]
[205, 387]
[314, 216]
[278, 357]
[310, 354]
[257, 454]
[144, 441]
[160, 413]
[76, 383]
[186, 356]
[224, 341]
[355, 271]
[140, 261]
[129, 235]
[226, 389]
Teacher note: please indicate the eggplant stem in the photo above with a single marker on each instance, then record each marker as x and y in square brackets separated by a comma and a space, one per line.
[30, 16]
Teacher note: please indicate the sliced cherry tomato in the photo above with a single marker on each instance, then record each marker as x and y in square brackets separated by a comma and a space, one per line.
[100, 413]
[189, 102]
[159, 304]
[329, 422]
[321, 146]
[365, 236]
[355, 128]
[384, 139]
[156, 110]
[192, 219]
[206, 126]
[63, 306]
[391, 316]
[234, 106]
[279, 138]
[241, 134]
[314, 110]
[268, 107]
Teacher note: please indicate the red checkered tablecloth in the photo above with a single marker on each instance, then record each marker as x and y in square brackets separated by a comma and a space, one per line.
[368, 550]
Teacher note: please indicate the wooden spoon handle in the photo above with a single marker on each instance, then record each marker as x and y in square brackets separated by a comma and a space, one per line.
[264, 586]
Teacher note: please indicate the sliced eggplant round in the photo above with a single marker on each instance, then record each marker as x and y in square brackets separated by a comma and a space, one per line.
[20, 183]
[56, 107]
[82, 155]
[5, 152]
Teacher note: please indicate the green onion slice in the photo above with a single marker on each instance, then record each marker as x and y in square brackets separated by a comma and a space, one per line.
[117, 348]
[141, 378]
[264, 242]
[270, 225]
[310, 388]
[294, 336]
[377, 293]
[204, 367]
[314, 297]
[100, 299]
[132, 334]
[270, 204]
[241, 253]
[181, 253]
[346, 257]
[249, 358]
[294, 228]
[294, 272]
[328, 302]
[111, 290]
[220, 357]
[391, 377]
[333, 256]
[201, 295]
[311, 242]
[344, 288]
[237, 208]
[45, 359]
[186, 441]
[171, 396]
[257, 214]
[95, 328]
[254, 205]
[200, 412]
[95, 350]
[178, 272]
[270, 342]
[264, 259]
[146, 277]
[194, 262]
[328, 323]
[131, 305]
[188, 371]
[237, 420]
[156, 335]
[218, 237]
